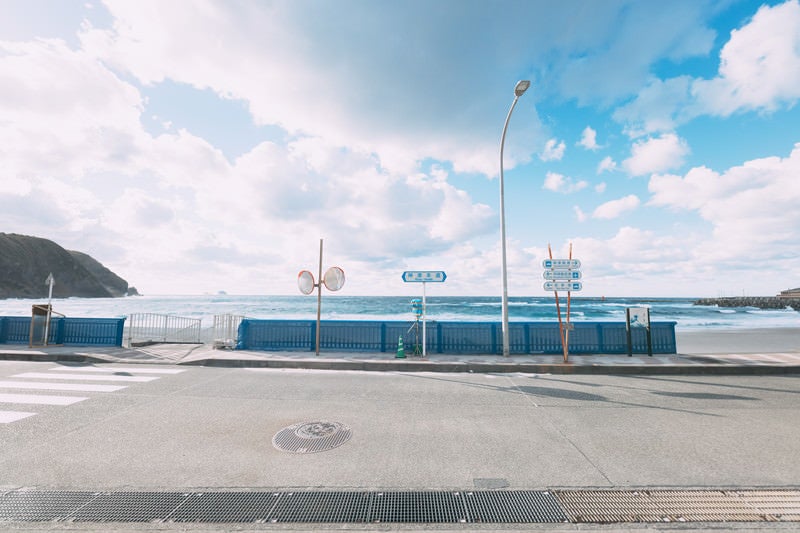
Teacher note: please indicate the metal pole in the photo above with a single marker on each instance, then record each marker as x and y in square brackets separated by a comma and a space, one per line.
[424, 320]
[519, 89]
[319, 293]
[50, 281]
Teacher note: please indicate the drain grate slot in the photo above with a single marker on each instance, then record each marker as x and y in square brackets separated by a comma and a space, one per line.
[418, 507]
[41, 506]
[609, 506]
[226, 507]
[323, 507]
[519, 507]
[130, 507]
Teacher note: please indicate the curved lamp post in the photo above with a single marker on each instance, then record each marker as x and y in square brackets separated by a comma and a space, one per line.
[519, 90]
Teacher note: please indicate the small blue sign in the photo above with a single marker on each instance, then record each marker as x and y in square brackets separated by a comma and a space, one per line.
[562, 274]
[568, 286]
[424, 276]
[562, 263]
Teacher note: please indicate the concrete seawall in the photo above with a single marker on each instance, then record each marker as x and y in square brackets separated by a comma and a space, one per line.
[761, 302]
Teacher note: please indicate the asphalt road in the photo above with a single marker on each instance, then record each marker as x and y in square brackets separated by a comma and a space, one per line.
[197, 427]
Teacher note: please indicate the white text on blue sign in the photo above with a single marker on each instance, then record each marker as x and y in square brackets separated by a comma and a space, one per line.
[424, 276]
[562, 263]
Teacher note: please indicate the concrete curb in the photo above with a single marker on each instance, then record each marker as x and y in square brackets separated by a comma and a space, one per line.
[422, 365]
[499, 368]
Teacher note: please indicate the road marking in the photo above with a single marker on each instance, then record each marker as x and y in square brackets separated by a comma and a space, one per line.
[74, 387]
[13, 416]
[86, 377]
[113, 370]
[40, 399]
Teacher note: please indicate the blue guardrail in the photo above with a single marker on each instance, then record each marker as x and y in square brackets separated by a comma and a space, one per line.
[67, 331]
[453, 337]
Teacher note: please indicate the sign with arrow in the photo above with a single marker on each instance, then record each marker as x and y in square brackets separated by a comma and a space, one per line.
[562, 263]
[570, 286]
[562, 274]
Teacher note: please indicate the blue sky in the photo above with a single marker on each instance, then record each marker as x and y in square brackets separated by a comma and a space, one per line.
[201, 146]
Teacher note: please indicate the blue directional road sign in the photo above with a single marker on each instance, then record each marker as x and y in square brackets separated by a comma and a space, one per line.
[562, 263]
[562, 274]
[563, 286]
[424, 275]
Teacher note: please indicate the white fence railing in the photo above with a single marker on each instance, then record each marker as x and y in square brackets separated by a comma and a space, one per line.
[144, 328]
[226, 330]
[150, 328]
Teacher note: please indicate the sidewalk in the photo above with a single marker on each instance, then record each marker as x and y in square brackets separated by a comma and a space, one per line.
[787, 362]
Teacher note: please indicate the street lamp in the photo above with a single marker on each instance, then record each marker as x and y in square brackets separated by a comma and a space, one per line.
[519, 90]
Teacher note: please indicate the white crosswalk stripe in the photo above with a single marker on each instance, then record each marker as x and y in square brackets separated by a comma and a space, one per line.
[118, 369]
[73, 387]
[85, 377]
[40, 399]
[54, 381]
[12, 416]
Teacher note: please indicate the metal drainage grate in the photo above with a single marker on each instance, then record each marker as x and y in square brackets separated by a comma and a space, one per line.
[418, 507]
[227, 507]
[611, 506]
[576, 506]
[41, 506]
[130, 507]
[521, 507]
[323, 507]
[310, 437]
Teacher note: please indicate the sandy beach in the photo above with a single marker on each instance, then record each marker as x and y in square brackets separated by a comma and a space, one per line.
[761, 340]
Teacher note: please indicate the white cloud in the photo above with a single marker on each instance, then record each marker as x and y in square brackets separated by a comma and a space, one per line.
[752, 208]
[580, 216]
[759, 65]
[607, 165]
[589, 139]
[553, 150]
[600, 188]
[559, 183]
[616, 208]
[656, 154]
[759, 70]
[171, 214]
[293, 72]
[660, 106]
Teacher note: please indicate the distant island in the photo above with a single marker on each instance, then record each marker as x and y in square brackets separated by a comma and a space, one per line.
[26, 262]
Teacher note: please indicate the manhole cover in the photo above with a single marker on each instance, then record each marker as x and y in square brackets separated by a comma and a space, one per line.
[310, 437]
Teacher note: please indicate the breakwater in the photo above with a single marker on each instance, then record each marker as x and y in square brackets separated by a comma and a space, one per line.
[760, 302]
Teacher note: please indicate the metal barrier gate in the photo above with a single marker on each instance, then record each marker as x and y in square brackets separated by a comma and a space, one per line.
[226, 330]
[150, 328]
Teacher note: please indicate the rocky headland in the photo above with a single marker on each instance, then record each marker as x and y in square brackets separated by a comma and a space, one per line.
[26, 262]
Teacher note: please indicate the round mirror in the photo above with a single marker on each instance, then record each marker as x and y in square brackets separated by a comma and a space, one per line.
[334, 279]
[305, 281]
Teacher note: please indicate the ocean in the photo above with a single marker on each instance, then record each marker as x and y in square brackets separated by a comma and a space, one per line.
[443, 308]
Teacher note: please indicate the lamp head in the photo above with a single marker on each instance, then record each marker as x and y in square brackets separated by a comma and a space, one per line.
[521, 87]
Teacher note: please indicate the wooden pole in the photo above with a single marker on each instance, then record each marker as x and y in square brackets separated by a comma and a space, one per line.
[558, 311]
[569, 304]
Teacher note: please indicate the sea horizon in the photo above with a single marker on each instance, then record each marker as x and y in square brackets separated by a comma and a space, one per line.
[681, 310]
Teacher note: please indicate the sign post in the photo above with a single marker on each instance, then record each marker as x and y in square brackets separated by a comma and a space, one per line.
[333, 281]
[424, 276]
[49, 281]
[562, 275]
